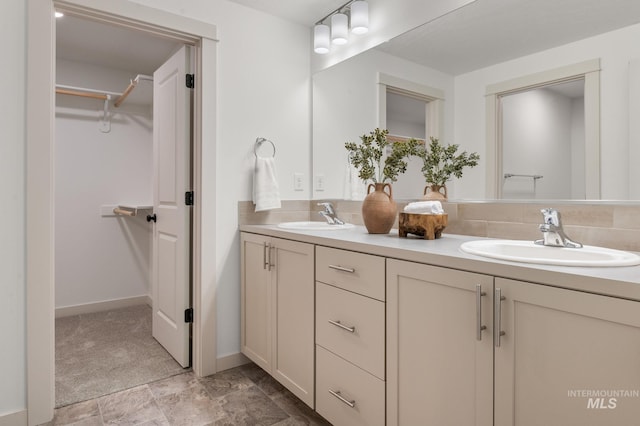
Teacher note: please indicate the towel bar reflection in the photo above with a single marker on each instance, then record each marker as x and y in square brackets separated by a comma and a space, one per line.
[534, 177]
[259, 142]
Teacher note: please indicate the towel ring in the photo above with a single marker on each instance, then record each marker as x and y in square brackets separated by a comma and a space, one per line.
[259, 142]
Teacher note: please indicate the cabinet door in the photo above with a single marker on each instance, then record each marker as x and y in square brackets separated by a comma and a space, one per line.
[255, 304]
[293, 317]
[567, 358]
[438, 372]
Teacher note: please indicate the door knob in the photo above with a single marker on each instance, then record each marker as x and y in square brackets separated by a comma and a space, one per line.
[151, 217]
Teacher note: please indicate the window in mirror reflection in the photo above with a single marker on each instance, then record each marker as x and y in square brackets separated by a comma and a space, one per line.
[543, 142]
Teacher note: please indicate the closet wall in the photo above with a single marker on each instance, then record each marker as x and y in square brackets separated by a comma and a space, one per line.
[100, 258]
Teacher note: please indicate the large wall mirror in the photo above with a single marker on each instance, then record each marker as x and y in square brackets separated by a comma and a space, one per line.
[461, 57]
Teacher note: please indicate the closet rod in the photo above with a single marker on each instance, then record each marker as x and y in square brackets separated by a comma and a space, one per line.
[86, 93]
[130, 87]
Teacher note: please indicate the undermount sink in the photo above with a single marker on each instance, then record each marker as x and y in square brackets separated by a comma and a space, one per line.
[313, 226]
[528, 252]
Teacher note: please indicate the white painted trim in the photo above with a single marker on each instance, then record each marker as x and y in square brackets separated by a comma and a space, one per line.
[590, 70]
[39, 184]
[39, 211]
[140, 17]
[19, 418]
[232, 361]
[543, 78]
[430, 93]
[89, 308]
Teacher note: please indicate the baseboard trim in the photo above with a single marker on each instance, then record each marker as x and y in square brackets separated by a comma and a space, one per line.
[231, 361]
[90, 308]
[19, 418]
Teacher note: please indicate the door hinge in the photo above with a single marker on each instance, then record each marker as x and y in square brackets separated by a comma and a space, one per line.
[188, 315]
[188, 198]
[190, 81]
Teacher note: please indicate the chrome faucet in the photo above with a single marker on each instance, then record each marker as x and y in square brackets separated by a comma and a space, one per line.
[330, 214]
[552, 232]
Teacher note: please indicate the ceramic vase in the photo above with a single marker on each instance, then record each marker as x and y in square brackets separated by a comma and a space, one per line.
[435, 193]
[378, 209]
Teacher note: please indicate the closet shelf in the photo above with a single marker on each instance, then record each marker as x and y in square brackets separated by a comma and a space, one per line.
[130, 210]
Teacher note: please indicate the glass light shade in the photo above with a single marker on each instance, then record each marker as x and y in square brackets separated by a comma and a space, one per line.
[359, 17]
[321, 39]
[339, 28]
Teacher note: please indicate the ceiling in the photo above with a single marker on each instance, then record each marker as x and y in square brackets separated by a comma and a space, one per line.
[487, 32]
[96, 43]
[304, 12]
[479, 34]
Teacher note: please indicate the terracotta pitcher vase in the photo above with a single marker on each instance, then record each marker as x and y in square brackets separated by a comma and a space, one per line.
[378, 209]
[435, 193]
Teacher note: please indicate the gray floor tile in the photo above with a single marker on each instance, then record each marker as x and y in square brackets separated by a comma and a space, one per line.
[225, 382]
[83, 413]
[249, 407]
[129, 407]
[192, 407]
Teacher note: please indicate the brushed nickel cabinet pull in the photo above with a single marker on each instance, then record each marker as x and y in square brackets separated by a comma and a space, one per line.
[338, 395]
[342, 268]
[479, 326]
[497, 317]
[264, 255]
[342, 326]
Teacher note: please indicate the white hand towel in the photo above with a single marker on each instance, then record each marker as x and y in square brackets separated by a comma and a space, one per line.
[353, 185]
[424, 207]
[266, 195]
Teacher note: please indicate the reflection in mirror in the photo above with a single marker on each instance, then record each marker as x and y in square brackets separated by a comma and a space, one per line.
[542, 139]
[464, 52]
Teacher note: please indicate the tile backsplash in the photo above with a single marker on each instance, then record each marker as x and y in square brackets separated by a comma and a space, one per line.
[608, 225]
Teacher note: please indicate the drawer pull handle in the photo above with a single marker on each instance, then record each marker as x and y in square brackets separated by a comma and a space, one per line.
[338, 395]
[342, 268]
[342, 326]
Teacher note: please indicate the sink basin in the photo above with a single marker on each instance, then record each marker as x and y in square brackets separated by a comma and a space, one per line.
[313, 226]
[528, 252]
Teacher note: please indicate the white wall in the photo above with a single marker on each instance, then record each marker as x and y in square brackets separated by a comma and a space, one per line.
[345, 106]
[12, 210]
[100, 258]
[263, 90]
[615, 49]
[578, 184]
[536, 135]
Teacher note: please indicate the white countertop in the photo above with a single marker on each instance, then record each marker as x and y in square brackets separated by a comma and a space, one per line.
[613, 281]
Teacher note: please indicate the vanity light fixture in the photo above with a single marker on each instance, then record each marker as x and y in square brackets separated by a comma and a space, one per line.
[58, 14]
[355, 10]
[359, 17]
[321, 39]
[339, 29]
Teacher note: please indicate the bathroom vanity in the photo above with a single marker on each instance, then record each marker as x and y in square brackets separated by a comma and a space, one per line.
[375, 329]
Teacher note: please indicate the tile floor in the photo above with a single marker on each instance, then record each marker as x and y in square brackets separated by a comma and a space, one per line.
[244, 395]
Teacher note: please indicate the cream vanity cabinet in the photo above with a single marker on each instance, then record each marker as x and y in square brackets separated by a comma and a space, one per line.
[277, 310]
[558, 343]
[350, 337]
[439, 346]
[450, 334]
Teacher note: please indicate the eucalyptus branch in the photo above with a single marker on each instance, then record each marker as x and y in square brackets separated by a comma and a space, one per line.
[441, 162]
[369, 159]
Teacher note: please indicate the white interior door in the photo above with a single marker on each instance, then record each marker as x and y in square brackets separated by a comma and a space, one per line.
[171, 278]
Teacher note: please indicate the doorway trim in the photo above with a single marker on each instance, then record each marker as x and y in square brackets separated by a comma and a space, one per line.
[590, 70]
[40, 113]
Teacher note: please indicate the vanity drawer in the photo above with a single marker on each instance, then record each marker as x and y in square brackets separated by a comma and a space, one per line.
[338, 312]
[357, 272]
[357, 387]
